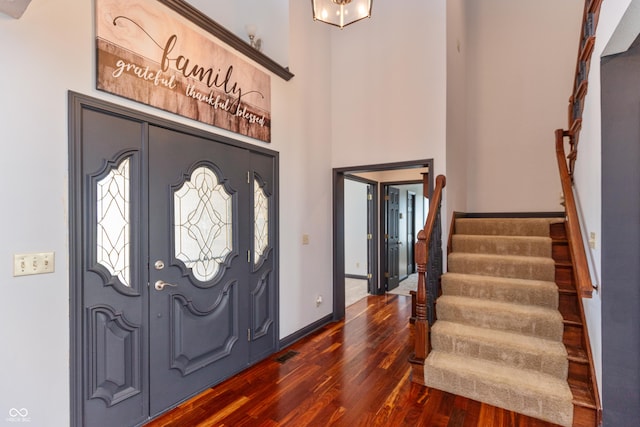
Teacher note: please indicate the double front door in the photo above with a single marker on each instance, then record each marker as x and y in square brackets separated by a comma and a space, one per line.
[176, 288]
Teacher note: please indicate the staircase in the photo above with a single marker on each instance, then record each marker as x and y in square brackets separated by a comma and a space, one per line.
[499, 335]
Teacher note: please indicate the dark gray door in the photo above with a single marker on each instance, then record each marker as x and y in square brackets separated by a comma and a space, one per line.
[111, 288]
[174, 284]
[392, 236]
[263, 295]
[198, 232]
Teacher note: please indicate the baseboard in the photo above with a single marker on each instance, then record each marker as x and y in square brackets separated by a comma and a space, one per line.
[356, 276]
[307, 330]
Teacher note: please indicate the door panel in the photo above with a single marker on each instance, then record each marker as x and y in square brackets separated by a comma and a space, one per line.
[262, 283]
[199, 212]
[113, 281]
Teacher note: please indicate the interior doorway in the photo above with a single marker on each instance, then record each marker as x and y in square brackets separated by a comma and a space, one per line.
[391, 173]
[360, 219]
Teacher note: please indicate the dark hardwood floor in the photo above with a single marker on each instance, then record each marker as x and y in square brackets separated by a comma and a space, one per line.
[351, 373]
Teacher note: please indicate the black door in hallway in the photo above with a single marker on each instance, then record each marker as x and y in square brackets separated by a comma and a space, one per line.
[392, 236]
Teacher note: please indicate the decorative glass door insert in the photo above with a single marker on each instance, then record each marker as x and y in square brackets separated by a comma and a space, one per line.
[203, 223]
[113, 237]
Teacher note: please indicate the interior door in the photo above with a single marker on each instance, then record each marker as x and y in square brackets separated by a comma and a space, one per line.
[392, 236]
[198, 233]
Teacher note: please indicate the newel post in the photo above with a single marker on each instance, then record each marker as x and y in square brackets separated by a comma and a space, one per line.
[421, 325]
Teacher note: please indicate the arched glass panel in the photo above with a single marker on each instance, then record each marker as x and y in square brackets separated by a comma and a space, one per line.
[203, 223]
[113, 238]
[261, 222]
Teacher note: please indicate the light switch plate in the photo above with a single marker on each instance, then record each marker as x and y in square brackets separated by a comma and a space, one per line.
[34, 263]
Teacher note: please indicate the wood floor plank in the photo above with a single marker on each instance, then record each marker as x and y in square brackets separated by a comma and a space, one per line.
[350, 373]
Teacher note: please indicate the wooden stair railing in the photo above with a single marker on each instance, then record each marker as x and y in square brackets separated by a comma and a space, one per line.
[584, 285]
[428, 257]
[579, 277]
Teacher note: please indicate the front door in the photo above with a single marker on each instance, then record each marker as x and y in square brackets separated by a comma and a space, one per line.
[198, 229]
[177, 288]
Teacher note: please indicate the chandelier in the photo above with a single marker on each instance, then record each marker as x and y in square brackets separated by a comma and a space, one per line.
[341, 12]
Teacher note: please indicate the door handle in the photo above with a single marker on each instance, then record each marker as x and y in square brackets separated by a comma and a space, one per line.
[160, 284]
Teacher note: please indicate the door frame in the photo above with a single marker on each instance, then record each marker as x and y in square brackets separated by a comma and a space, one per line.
[411, 226]
[338, 221]
[77, 103]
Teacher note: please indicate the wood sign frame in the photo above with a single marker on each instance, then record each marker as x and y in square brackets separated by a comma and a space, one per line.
[148, 53]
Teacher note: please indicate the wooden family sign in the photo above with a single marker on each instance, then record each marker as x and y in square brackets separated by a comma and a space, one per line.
[148, 53]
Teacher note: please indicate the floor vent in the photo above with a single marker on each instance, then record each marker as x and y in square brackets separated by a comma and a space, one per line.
[286, 356]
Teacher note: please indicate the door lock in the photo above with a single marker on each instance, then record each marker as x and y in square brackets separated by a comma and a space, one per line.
[160, 284]
[159, 265]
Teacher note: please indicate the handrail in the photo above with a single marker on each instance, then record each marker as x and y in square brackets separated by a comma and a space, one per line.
[584, 285]
[428, 250]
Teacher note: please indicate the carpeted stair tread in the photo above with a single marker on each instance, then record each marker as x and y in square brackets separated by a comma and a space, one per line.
[505, 289]
[502, 245]
[515, 350]
[523, 267]
[525, 319]
[527, 392]
[505, 226]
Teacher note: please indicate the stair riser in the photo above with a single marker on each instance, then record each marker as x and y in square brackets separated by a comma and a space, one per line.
[498, 291]
[499, 267]
[501, 245]
[556, 366]
[542, 326]
[503, 227]
[560, 252]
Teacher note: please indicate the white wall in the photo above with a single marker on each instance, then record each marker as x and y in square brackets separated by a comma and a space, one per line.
[388, 86]
[520, 62]
[270, 20]
[457, 140]
[588, 172]
[49, 51]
